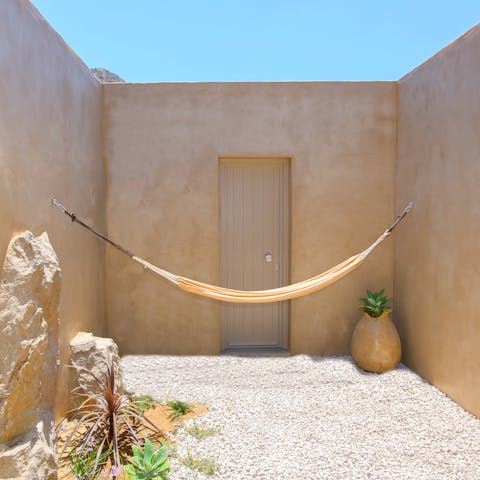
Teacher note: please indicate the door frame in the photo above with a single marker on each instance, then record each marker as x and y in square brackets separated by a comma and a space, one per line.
[289, 160]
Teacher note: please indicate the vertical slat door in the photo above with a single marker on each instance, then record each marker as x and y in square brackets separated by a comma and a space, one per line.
[254, 206]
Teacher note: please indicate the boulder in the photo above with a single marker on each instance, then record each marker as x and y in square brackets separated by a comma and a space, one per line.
[29, 297]
[88, 356]
[31, 457]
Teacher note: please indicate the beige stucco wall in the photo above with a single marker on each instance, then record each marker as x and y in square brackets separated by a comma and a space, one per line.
[437, 280]
[162, 145]
[50, 145]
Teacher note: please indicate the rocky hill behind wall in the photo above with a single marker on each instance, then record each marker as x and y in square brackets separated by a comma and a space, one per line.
[106, 76]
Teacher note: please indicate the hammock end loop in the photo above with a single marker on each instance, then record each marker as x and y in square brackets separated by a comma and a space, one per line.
[55, 203]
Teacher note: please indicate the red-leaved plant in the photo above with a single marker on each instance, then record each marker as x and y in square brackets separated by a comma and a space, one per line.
[108, 422]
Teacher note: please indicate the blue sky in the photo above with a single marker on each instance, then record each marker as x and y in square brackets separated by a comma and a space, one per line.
[223, 40]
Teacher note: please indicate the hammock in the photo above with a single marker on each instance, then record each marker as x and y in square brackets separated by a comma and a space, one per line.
[295, 290]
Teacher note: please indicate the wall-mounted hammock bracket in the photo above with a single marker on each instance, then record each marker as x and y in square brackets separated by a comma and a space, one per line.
[295, 290]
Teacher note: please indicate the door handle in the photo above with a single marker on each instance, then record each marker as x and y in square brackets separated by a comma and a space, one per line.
[268, 257]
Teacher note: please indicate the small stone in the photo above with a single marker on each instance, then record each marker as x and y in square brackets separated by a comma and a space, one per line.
[88, 359]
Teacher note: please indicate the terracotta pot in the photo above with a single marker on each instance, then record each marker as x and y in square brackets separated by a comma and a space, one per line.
[375, 344]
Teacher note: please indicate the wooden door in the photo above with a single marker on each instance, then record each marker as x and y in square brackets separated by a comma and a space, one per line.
[254, 218]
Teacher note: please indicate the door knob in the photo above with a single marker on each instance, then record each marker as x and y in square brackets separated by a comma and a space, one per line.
[268, 257]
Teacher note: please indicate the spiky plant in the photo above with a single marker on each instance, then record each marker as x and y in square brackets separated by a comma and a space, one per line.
[179, 408]
[108, 421]
[149, 463]
[376, 303]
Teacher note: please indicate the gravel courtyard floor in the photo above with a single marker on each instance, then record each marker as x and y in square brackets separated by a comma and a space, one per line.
[302, 418]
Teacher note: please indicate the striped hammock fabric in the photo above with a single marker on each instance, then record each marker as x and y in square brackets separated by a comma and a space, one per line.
[288, 292]
[295, 290]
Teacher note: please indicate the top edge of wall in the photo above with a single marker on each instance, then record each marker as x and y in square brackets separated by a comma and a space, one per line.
[440, 53]
[28, 5]
[255, 82]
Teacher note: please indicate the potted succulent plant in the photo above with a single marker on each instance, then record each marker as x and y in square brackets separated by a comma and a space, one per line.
[375, 342]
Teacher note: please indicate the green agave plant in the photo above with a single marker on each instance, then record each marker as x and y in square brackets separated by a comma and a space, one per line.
[148, 464]
[376, 303]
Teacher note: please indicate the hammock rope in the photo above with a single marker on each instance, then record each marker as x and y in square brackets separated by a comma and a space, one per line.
[288, 292]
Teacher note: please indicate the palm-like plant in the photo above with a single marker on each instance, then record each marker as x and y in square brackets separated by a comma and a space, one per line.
[108, 421]
[376, 303]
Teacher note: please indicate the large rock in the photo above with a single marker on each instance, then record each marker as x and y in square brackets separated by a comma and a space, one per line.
[30, 458]
[29, 296]
[88, 356]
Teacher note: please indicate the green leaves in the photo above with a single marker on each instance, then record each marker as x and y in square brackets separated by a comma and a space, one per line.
[86, 462]
[178, 408]
[143, 402]
[206, 466]
[200, 433]
[148, 464]
[376, 303]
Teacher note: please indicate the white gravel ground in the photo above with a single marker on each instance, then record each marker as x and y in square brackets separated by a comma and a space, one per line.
[309, 418]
